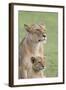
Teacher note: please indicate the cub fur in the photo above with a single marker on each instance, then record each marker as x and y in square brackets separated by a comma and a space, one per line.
[31, 46]
[36, 71]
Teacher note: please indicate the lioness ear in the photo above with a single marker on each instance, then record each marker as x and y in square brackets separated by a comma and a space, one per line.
[27, 27]
[32, 59]
[42, 25]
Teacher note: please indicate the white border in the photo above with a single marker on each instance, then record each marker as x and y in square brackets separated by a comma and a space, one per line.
[60, 46]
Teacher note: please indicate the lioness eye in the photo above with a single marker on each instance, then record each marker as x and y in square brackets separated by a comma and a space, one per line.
[44, 30]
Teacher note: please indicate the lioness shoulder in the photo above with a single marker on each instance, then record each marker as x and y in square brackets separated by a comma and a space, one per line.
[31, 46]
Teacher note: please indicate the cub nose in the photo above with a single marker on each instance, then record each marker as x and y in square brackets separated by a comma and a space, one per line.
[44, 36]
[43, 66]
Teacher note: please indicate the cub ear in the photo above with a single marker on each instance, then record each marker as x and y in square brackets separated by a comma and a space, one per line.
[27, 27]
[32, 59]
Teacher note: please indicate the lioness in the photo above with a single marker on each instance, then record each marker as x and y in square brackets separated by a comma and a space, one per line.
[36, 71]
[31, 46]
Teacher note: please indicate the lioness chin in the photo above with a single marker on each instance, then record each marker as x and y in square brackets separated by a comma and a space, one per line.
[31, 46]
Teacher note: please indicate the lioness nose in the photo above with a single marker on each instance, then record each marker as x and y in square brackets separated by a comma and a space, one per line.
[44, 36]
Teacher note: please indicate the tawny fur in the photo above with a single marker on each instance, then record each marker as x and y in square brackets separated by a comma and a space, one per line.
[31, 46]
[36, 71]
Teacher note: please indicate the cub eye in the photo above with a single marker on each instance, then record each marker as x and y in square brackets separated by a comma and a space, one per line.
[39, 62]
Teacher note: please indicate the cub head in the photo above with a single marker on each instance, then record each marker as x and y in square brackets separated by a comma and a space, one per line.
[37, 63]
[36, 32]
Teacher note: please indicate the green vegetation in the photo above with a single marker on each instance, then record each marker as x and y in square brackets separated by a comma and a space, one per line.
[51, 47]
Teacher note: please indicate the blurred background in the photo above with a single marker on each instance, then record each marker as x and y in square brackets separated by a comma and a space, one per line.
[51, 47]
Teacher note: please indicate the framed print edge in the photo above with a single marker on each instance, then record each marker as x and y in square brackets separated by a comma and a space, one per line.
[63, 45]
[11, 44]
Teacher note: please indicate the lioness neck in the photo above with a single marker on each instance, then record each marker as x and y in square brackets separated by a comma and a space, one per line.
[33, 47]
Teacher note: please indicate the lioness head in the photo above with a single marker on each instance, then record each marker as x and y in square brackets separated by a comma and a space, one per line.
[36, 32]
[37, 63]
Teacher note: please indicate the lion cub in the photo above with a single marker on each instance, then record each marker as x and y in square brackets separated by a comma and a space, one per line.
[38, 64]
[31, 46]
